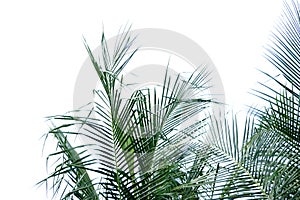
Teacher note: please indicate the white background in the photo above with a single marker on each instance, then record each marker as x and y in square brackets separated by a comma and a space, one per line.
[41, 52]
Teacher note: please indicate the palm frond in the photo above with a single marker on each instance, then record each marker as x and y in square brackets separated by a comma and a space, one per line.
[146, 147]
[284, 51]
[283, 94]
[72, 166]
[130, 139]
[273, 160]
[273, 148]
[231, 178]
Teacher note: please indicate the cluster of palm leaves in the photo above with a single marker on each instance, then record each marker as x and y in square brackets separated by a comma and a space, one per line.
[139, 148]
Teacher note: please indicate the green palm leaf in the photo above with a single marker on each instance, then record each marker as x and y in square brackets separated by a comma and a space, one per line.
[145, 147]
[131, 138]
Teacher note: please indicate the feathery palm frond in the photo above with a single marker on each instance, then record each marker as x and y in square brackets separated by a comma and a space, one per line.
[71, 168]
[137, 146]
[284, 51]
[274, 148]
[267, 166]
[145, 147]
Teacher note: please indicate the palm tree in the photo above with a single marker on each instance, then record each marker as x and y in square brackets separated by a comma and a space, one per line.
[138, 150]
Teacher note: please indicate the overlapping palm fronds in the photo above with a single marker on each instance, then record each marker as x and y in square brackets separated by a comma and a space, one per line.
[268, 164]
[139, 148]
[276, 144]
[284, 54]
[137, 145]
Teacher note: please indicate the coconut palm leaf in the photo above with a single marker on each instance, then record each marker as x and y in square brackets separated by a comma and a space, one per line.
[71, 169]
[228, 178]
[267, 164]
[284, 51]
[275, 143]
[145, 147]
[108, 131]
[130, 139]
[273, 159]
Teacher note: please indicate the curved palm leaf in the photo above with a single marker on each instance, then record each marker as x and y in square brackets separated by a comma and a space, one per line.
[275, 146]
[140, 150]
[284, 54]
[135, 143]
[267, 166]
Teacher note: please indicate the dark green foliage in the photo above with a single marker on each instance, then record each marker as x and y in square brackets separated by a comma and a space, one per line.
[138, 150]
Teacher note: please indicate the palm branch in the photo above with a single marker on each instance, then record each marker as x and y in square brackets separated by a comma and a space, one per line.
[267, 166]
[138, 150]
[131, 139]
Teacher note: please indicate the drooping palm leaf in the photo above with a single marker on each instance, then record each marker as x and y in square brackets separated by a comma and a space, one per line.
[284, 54]
[274, 148]
[130, 139]
[71, 168]
[141, 147]
[268, 164]
[284, 51]
[107, 132]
